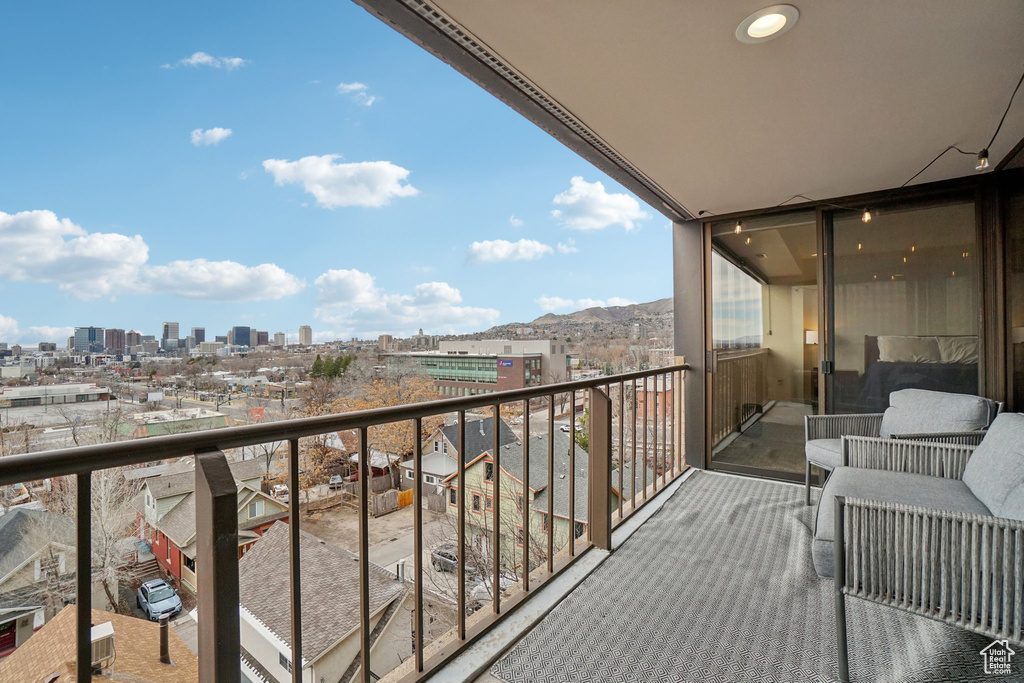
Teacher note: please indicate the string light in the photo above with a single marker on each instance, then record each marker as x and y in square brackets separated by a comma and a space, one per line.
[859, 246]
[739, 227]
[912, 248]
[982, 160]
[866, 217]
[748, 240]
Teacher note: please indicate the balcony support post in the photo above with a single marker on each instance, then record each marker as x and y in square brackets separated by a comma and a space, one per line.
[217, 570]
[83, 576]
[600, 466]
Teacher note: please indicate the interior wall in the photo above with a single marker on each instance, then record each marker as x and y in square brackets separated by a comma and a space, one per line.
[794, 310]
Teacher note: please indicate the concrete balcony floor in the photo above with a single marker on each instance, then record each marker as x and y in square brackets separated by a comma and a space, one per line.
[714, 582]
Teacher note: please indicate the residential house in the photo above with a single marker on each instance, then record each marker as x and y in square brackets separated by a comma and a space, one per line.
[330, 612]
[50, 655]
[167, 515]
[479, 498]
[441, 450]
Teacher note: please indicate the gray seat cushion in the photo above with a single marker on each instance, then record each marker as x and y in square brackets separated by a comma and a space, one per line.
[893, 487]
[996, 468]
[918, 411]
[827, 453]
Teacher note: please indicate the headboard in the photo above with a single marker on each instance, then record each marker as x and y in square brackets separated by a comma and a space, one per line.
[871, 353]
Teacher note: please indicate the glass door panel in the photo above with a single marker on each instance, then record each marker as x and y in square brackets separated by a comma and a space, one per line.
[905, 305]
[764, 343]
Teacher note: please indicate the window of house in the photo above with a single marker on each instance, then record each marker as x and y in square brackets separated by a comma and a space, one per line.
[453, 497]
[577, 530]
[519, 536]
[488, 471]
[445, 447]
[544, 523]
[149, 501]
[190, 563]
[167, 542]
[409, 474]
[255, 509]
[519, 502]
[477, 503]
[435, 447]
[286, 663]
[490, 502]
[430, 479]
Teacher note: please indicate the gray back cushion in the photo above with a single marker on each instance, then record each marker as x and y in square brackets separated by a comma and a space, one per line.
[995, 472]
[917, 411]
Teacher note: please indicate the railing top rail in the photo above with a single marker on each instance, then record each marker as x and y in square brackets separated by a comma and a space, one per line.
[83, 459]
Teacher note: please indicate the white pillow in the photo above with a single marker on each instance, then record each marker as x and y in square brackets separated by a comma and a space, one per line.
[958, 349]
[896, 349]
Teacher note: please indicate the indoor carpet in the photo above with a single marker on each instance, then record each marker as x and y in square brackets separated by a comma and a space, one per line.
[719, 586]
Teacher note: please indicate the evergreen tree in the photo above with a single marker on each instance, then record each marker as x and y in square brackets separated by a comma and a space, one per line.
[317, 371]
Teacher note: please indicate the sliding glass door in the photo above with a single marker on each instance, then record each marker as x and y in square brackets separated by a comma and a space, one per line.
[764, 342]
[905, 302]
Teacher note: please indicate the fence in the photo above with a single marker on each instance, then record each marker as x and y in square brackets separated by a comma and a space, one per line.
[655, 455]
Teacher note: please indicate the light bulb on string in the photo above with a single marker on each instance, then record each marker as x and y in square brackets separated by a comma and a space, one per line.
[982, 164]
[739, 227]
[866, 216]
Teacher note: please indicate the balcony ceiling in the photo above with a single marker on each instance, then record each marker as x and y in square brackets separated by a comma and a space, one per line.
[857, 97]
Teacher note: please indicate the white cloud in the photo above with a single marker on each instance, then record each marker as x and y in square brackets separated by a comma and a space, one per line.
[197, 59]
[568, 247]
[587, 206]
[516, 222]
[358, 92]
[492, 251]
[39, 247]
[210, 136]
[221, 280]
[555, 303]
[364, 183]
[354, 305]
[11, 332]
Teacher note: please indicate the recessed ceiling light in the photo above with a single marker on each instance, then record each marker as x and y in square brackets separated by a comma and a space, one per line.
[767, 23]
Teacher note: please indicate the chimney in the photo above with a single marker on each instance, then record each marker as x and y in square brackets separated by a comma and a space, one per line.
[400, 573]
[165, 650]
[481, 423]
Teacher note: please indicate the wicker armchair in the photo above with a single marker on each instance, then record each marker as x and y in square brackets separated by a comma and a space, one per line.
[914, 414]
[955, 556]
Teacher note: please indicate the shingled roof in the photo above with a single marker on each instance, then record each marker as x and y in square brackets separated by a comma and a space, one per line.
[180, 479]
[24, 532]
[330, 589]
[479, 436]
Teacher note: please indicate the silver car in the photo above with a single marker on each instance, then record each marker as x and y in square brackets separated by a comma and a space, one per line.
[156, 598]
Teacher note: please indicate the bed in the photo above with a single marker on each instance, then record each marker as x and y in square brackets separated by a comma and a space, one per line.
[935, 362]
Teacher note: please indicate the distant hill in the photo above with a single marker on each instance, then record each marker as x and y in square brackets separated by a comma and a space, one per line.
[611, 322]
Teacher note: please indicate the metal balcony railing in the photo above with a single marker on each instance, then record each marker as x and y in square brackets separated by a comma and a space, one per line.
[650, 401]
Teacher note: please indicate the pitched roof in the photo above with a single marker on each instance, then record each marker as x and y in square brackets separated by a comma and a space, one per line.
[179, 523]
[438, 464]
[52, 650]
[479, 436]
[180, 478]
[330, 589]
[24, 532]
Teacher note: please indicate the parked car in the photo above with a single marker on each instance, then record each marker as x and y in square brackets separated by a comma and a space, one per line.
[445, 558]
[156, 598]
[336, 482]
[565, 428]
[480, 592]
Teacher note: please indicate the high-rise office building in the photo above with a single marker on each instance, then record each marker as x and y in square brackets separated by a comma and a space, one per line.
[132, 338]
[87, 339]
[253, 337]
[200, 334]
[279, 339]
[47, 346]
[170, 331]
[240, 335]
[305, 336]
[114, 340]
[384, 342]
[222, 339]
[262, 338]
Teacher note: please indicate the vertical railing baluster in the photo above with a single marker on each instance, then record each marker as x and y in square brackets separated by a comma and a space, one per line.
[364, 553]
[572, 474]
[622, 464]
[551, 484]
[83, 575]
[632, 468]
[461, 582]
[294, 559]
[526, 496]
[646, 452]
[663, 407]
[654, 431]
[675, 423]
[496, 511]
[417, 514]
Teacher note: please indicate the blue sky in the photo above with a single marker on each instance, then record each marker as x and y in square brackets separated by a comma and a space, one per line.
[364, 186]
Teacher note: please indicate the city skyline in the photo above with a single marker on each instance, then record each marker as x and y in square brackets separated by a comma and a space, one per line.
[337, 175]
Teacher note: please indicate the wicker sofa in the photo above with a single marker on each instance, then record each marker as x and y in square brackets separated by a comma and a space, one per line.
[914, 414]
[933, 529]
